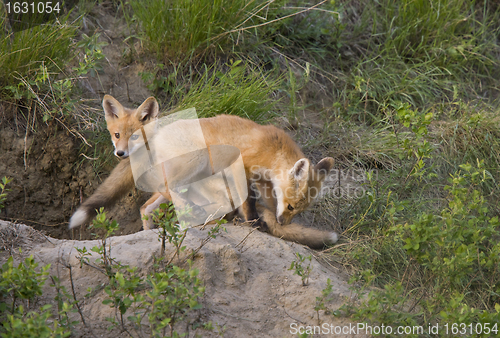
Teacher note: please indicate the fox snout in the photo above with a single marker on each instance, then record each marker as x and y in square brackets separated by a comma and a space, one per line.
[121, 154]
[284, 219]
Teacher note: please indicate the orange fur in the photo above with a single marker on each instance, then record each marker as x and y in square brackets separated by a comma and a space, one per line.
[277, 171]
[295, 232]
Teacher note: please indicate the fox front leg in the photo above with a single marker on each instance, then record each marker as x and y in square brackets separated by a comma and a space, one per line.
[146, 210]
[248, 209]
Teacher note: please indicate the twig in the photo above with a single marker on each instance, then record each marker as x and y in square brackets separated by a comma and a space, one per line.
[351, 243]
[95, 267]
[211, 218]
[73, 291]
[416, 302]
[77, 302]
[26, 136]
[89, 158]
[284, 303]
[245, 238]
[177, 249]
[338, 200]
[204, 241]
[269, 22]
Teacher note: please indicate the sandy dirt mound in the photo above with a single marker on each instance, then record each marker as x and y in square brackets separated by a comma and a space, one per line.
[249, 289]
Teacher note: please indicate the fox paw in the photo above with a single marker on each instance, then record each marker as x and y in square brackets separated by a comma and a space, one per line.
[261, 225]
[147, 224]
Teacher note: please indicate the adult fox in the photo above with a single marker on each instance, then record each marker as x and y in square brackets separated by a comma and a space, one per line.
[276, 169]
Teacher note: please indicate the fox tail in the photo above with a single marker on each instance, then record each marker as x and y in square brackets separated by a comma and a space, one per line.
[118, 184]
[313, 238]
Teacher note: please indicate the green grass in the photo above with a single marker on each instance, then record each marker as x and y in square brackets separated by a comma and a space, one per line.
[420, 53]
[235, 88]
[178, 29]
[420, 237]
[373, 54]
[240, 90]
[23, 53]
[454, 34]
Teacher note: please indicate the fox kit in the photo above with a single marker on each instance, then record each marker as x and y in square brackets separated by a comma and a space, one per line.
[277, 172]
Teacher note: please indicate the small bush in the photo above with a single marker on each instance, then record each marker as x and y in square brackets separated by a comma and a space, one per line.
[447, 268]
[4, 190]
[24, 284]
[457, 249]
[163, 298]
[21, 282]
[33, 324]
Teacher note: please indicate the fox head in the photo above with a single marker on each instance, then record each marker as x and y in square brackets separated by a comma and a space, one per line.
[299, 188]
[123, 122]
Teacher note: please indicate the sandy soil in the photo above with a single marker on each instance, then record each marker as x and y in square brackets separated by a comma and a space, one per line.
[249, 290]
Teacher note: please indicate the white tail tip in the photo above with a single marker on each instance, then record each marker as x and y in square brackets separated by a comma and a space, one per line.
[78, 218]
[332, 238]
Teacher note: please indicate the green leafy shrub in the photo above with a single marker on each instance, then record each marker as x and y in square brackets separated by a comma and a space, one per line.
[33, 324]
[21, 282]
[24, 283]
[166, 219]
[301, 270]
[174, 293]
[4, 190]
[164, 297]
[460, 242]
[451, 259]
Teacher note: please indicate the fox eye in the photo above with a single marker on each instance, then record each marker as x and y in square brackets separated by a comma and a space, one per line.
[134, 137]
[117, 135]
[290, 207]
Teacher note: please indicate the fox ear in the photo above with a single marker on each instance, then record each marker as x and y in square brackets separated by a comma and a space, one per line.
[323, 167]
[300, 170]
[112, 108]
[148, 110]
